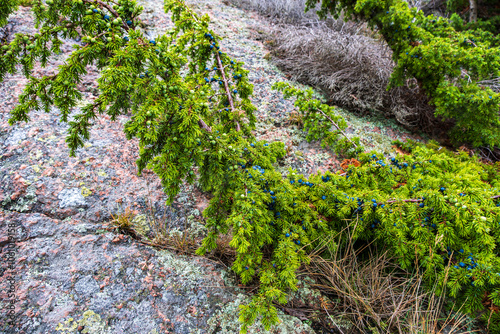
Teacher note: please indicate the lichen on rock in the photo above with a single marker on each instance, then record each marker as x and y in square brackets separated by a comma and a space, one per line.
[89, 323]
[141, 224]
[23, 203]
[226, 321]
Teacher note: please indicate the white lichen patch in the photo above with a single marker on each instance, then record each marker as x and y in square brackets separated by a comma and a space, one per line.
[62, 300]
[189, 271]
[197, 229]
[81, 228]
[35, 155]
[71, 197]
[226, 321]
[16, 137]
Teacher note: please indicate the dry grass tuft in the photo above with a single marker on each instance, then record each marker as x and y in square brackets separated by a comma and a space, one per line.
[284, 11]
[352, 69]
[123, 221]
[375, 293]
[294, 118]
[162, 236]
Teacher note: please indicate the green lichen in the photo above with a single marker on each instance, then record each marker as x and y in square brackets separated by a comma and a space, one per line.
[229, 279]
[24, 203]
[189, 270]
[91, 323]
[141, 224]
[102, 173]
[378, 142]
[197, 229]
[86, 191]
[307, 295]
[49, 138]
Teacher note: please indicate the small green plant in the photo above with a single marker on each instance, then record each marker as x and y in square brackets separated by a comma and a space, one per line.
[321, 121]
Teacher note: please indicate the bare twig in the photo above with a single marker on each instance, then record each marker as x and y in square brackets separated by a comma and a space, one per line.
[204, 125]
[494, 84]
[335, 124]
[226, 86]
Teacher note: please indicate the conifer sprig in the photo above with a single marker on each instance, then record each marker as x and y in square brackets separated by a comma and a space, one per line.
[315, 113]
[6, 8]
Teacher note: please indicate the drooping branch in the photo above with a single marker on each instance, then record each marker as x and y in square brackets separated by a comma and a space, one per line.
[412, 200]
[226, 86]
[108, 7]
[204, 125]
[335, 124]
[111, 10]
[201, 123]
[494, 84]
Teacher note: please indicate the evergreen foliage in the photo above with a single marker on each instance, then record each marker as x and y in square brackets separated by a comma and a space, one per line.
[191, 113]
[448, 64]
[492, 25]
[321, 121]
[488, 15]
[7, 7]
